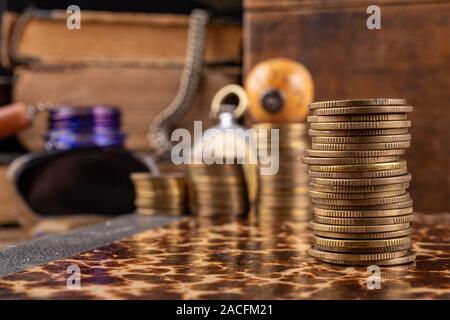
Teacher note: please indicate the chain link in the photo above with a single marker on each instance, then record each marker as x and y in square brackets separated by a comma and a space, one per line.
[160, 129]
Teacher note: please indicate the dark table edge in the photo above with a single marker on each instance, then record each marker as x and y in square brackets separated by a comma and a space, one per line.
[32, 253]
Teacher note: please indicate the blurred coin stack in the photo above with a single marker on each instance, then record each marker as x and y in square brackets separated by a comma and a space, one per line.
[218, 189]
[160, 194]
[358, 181]
[284, 194]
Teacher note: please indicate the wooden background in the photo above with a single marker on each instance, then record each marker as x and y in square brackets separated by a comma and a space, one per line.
[408, 58]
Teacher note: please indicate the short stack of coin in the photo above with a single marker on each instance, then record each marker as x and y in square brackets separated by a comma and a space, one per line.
[160, 194]
[218, 189]
[285, 193]
[362, 211]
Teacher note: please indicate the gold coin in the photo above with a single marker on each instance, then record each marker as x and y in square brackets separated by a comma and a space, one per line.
[162, 212]
[283, 206]
[167, 198]
[282, 126]
[283, 203]
[218, 190]
[361, 146]
[363, 202]
[362, 110]
[364, 236]
[286, 174]
[282, 195]
[162, 200]
[360, 167]
[282, 184]
[403, 258]
[159, 184]
[208, 173]
[363, 221]
[398, 205]
[229, 199]
[283, 198]
[231, 202]
[357, 102]
[361, 189]
[354, 153]
[360, 125]
[137, 176]
[346, 161]
[356, 257]
[358, 229]
[264, 153]
[215, 166]
[297, 168]
[227, 180]
[381, 263]
[339, 243]
[354, 133]
[300, 171]
[268, 138]
[221, 210]
[341, 196]
[160, 205]
[363, 250]
[282, 190]
[283, 144]
[216, 211]
[161, 189]
[363, 139]
[358, 118]
[361, 182]
[365, 214]
[359, 174]
[146, 193]
[221, 198]
[284, 211]
[223, 171]
[351, 182]
[284, 179]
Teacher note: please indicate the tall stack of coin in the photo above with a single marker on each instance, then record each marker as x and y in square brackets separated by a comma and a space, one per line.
[358, 181]
[285, 193]
[160, 194]
[218, 189]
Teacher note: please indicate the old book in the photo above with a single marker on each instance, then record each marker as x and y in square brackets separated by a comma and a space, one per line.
[407, 58]
[132, 39]
[141, 93]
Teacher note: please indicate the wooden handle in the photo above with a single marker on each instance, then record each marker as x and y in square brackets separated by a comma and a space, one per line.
[13, 118]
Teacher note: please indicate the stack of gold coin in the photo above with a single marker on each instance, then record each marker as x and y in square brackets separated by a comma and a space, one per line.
[218, 189]
[160, 194]
[358, 182]
[285, 193]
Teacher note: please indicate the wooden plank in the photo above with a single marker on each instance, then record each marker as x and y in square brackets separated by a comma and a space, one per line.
[408, 58]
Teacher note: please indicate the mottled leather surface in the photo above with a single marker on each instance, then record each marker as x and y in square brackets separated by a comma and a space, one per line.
[238, 259]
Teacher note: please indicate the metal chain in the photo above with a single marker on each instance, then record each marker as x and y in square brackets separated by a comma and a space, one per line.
[160, 129]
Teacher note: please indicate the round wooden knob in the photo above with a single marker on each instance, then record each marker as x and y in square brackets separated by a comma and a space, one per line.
[279, 91]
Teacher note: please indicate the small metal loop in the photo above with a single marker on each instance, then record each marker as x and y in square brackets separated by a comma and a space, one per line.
[231, 89]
